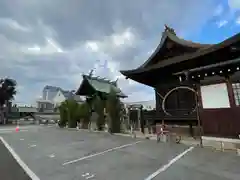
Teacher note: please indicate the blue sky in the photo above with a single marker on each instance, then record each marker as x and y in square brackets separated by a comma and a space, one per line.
[53, 42]
[224, 24]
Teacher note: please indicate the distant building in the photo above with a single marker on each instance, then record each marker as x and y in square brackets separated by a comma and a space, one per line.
[147, 105]
[26, 109]
[53, 96]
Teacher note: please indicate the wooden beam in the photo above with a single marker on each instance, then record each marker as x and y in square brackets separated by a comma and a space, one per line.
[229, 62]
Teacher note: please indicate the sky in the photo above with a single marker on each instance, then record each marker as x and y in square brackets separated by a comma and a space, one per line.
[54, 42]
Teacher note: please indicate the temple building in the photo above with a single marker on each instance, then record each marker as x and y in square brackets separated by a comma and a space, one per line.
[91, 85]
[194, 83]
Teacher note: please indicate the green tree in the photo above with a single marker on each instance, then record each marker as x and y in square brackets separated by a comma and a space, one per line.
[7, 93]
[63, 114]
[84, 113]
[99, 105]
[69, 113]
[73, 115]
[113, 107]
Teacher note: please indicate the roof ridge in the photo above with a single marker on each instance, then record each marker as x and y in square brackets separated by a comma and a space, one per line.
[169, 29]
[170, 32]
[101, 79]
[180, 40]
[50, 86]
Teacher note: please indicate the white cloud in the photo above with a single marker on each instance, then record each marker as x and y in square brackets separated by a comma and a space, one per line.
[117, 41]
[234, 4]
[109, 37]
[14, 25]
[219, 10]
[222, 23]
[123, 39]
[140, 95]
[93, 46]
[50, 47]
[47, 30]
[238, 20]
[20, 88]
[106, 66]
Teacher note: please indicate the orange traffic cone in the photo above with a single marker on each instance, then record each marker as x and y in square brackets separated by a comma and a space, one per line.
[17, 128]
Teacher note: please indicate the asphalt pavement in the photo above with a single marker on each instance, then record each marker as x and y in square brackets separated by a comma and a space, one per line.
[9, 168]
[61, 154]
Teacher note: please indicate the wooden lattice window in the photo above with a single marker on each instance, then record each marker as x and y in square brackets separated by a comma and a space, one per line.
[236, 91]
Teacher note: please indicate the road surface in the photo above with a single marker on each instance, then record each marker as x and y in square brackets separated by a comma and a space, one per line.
[51, 153]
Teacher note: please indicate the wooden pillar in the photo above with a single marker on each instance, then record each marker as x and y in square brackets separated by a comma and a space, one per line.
[159, 99]
[141, 119]
[198, 102]
[230, 92]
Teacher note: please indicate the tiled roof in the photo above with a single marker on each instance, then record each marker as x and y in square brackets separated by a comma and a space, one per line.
[101, 85]
[67, 94]
[187, 57]
[54, 88]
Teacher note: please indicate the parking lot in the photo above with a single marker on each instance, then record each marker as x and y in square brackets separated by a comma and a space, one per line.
[51, 153]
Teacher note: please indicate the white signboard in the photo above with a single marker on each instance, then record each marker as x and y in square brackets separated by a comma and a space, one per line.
[215, 96]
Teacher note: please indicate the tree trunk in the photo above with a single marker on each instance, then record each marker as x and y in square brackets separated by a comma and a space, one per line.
[85, 123]
[6, 112]
[1, 115]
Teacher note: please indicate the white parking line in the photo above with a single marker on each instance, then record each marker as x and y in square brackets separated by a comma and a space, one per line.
[12, 131]
[88, 175]
[31, 146]
[51, 156]
[99, 153]
[6, 132]
[166, 166]
[85, 174]
[30, 173]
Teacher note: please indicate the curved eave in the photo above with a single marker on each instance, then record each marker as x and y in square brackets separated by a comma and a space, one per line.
[168, 35]
[122, 95]
[159, 47]
[187, 43]
[129, 72]
[137, 76]
[78, 92]
[228, 42]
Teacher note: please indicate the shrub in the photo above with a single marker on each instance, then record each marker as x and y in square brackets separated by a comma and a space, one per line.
[98, 105]
[69, 113]
[84, 113]
[63, 115]
[73, 116]
[113, 107]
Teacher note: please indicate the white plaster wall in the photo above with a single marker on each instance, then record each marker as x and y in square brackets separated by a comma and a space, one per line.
[215, 96]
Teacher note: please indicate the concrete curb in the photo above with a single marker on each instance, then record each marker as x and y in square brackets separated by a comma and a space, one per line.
[238, 152]
[86, 130]
[137, 136]
[148, 137]
[118, 134]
